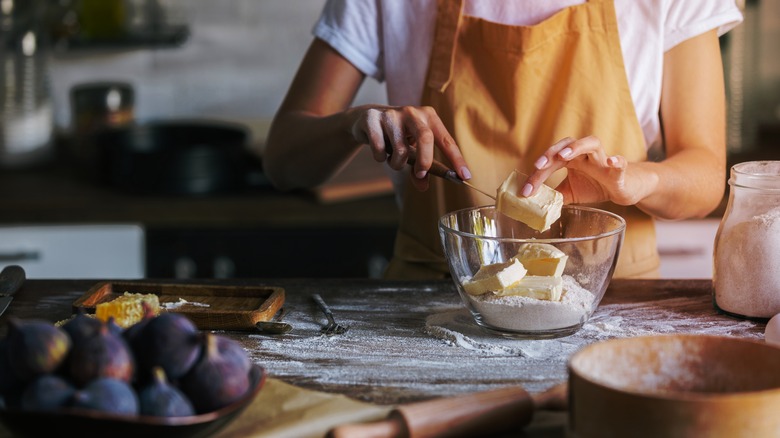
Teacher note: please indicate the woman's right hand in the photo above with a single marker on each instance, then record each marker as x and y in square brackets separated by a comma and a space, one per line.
[404, 132]
[315, 132]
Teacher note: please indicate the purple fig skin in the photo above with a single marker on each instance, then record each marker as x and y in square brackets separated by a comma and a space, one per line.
[9, 381]
[161, 399]
[36, 347]
[219, 377]
[169, 340]
[103, 354]
[130, 332]
[81, 326]
[107, 395]
[48, 392]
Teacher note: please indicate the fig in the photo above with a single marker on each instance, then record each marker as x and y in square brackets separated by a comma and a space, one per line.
[219, 377]
[160, 398]
[169, 340]
[35, 347]
[106, 394]
[81, 326]
[104, 353]
[8, 379]
[114, 327]
[47, 392]
[134, 329]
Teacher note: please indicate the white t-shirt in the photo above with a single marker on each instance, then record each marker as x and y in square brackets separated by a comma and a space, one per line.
[390, 40]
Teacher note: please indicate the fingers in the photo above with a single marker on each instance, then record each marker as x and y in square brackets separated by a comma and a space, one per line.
[586, 153]
[407, 133]
[446, 144]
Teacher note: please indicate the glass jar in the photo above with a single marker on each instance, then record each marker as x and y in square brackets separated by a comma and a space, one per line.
[746, 261]
[26, 112]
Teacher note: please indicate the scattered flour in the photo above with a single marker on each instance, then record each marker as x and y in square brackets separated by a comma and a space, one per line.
[391, 354]
[182, 302]
[526, 314]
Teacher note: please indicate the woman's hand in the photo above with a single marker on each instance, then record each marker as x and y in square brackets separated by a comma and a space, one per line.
[315, 132]
[404, 133]
[690, 181]
[592, 175]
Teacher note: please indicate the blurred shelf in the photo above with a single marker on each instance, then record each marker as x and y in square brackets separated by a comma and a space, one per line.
[163, 37]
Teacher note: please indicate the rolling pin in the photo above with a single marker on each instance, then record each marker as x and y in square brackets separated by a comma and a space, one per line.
[477, 414]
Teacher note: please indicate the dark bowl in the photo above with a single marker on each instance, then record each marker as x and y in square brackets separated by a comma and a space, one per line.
[97, 424]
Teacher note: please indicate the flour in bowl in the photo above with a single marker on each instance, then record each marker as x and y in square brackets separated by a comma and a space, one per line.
[529, 314]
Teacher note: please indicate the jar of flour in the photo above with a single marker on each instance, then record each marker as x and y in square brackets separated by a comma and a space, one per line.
[746, 261]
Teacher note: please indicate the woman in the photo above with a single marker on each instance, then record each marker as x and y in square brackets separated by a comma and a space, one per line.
[572, 93]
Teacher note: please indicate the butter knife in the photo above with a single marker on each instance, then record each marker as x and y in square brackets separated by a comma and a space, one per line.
[11, 279]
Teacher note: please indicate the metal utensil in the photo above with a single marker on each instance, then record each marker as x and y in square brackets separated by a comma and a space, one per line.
[276, 326]
[439, 169]
[11, 279]
[332, 327]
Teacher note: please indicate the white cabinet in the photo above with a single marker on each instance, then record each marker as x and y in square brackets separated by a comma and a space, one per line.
[75, 251]
[686, 247]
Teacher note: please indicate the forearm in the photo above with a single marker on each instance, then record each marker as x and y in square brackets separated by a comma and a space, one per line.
[689, 184]
[304, 150]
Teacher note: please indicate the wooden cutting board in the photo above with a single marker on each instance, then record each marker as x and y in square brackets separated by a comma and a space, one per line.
[210, 307]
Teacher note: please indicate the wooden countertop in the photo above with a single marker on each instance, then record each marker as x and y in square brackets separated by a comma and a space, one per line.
[413, 340]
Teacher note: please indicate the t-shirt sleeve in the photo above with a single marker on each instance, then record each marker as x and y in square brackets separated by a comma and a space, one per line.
[353, 28]
[689, 18]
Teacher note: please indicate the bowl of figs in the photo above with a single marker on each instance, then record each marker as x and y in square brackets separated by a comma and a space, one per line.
[159, 376]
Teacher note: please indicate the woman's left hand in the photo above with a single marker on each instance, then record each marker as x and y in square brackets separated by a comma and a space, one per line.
[592, 175]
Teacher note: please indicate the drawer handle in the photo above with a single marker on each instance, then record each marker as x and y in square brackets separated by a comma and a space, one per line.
[19, 256]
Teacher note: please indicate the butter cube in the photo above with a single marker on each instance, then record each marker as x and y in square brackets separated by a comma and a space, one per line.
[538, 211]
[533, 286]
[542, 259]
[495, 277]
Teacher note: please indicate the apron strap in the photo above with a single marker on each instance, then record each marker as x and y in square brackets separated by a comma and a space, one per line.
[442, 57]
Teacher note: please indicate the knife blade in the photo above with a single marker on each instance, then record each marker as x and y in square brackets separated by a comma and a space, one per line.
[11, 279]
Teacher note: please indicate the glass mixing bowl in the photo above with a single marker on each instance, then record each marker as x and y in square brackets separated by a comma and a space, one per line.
[590, 239]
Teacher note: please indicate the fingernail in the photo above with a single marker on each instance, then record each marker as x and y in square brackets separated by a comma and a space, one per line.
[540, 162]
[527, 190]
[421, 174]
[613, 161]
[565, 152]
[465, 172]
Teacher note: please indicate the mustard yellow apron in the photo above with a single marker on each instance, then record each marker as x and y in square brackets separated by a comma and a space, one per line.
[507, 93]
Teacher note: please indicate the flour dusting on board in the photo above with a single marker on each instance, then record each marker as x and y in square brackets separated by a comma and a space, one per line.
[393, 346]
[458, 328]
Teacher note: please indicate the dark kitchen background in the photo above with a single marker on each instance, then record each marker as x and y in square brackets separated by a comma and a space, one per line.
[70, 209]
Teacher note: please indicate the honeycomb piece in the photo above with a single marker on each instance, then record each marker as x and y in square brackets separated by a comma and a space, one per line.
[127, 309]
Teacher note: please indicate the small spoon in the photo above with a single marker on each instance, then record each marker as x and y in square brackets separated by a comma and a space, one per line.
[276, 327]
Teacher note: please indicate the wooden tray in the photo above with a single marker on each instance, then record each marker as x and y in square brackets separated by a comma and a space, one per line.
[227, 307]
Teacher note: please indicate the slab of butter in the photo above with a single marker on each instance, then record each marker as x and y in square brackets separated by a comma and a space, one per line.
[542, 259]
[534, 286]
[538, 211]
[495, 277]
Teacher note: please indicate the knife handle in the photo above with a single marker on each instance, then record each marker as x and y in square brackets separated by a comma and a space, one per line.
[437, 167]
[476, 414]
[11, 279]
